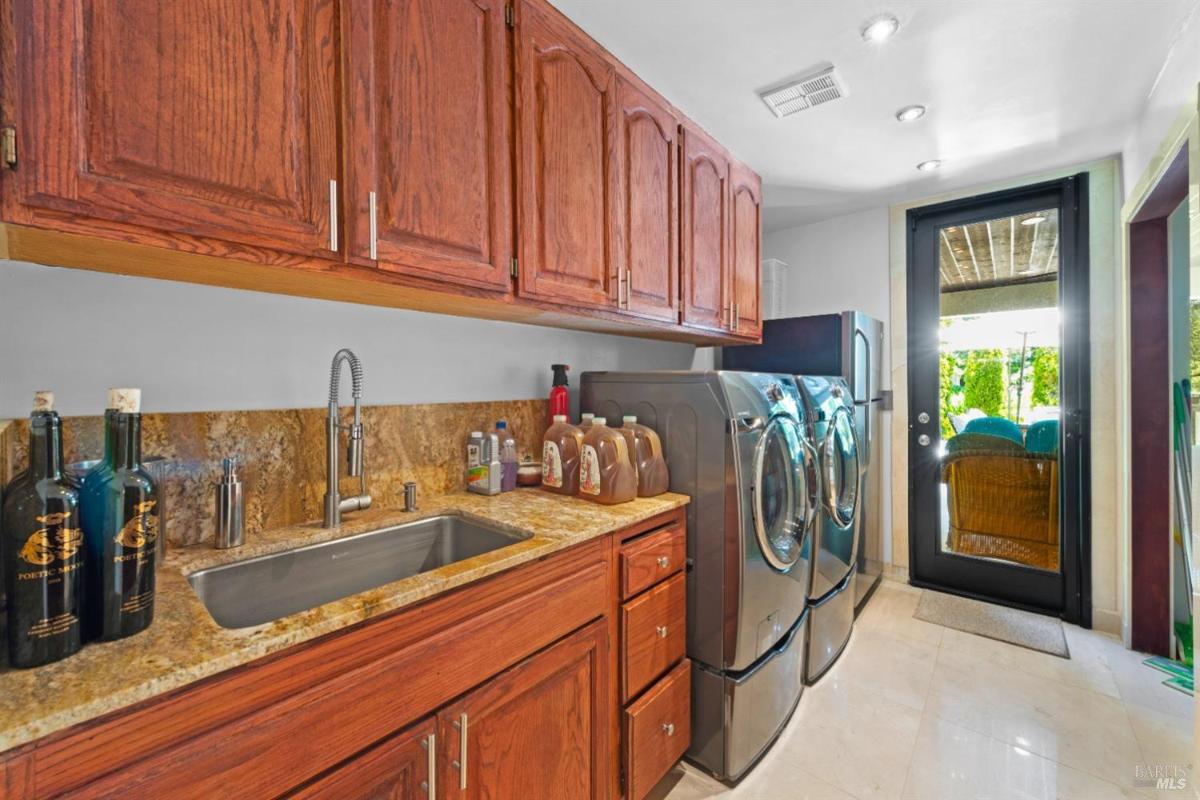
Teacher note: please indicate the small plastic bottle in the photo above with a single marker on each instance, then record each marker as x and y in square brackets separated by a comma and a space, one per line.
[586, 420]
[508, 457]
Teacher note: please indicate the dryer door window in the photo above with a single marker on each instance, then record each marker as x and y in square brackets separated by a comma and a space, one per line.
[780, 493]
[841, 467]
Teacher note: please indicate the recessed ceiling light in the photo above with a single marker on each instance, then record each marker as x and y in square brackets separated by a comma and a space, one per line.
[880, 28]
[1033, 220]
[909, 113]
[930, 165]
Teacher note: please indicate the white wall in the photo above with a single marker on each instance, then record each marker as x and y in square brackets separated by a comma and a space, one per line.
[841, 264]
[1173, 88]
[200, 348]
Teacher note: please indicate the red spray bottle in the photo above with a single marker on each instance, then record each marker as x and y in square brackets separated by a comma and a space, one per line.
[560, 396]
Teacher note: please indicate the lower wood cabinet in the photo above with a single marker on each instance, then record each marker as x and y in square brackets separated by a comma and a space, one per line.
[534, 731]
[397, 769]
[506, 688]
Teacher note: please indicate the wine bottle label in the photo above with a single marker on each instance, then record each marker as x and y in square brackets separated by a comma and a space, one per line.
[139, 531]
[552, 471]
[56, 542]
[52, 626]
[589, 470]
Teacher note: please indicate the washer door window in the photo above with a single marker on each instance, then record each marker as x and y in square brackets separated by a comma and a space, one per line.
[780, 493]
[839, 454]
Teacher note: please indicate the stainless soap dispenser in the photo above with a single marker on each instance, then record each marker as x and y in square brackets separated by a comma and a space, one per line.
[230, 507]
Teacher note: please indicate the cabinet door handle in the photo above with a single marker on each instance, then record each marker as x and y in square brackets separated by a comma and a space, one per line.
[333, 211]
[736, 320]
[371, 201]
[669, 728]
[620, 290]
[662, 631]
[628, 286]
[430, 785]
[461, 763]
[663, 562]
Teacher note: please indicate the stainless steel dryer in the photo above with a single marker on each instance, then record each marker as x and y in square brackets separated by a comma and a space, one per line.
[735, 443]
[831, 592]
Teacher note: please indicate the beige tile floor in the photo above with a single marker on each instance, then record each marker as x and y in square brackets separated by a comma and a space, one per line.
[915, 711]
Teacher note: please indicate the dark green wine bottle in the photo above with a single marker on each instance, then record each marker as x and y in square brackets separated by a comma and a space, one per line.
[43, 547]
[119, 504]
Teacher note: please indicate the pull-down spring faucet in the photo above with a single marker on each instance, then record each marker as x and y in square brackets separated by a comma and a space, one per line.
[335, 504]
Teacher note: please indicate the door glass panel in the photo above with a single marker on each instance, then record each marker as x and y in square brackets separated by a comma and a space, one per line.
[779, 495]
[999, 344]
[841, 468]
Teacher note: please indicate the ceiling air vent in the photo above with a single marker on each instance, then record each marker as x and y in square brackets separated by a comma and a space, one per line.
[795, 96]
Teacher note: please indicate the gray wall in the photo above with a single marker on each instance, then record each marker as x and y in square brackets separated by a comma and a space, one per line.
[199, 348]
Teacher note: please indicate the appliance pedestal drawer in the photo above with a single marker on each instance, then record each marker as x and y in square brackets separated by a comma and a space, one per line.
[657, 730]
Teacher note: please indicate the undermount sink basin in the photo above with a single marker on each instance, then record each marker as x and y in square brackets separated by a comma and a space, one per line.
[269, 587]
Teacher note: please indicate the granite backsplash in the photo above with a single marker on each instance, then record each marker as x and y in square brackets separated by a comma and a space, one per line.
[282, 456]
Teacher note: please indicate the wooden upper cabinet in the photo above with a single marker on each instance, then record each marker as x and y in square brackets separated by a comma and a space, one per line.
[745, 238]
[537, 730]
[565, 126]
[214, 119]
[646, 219]
[397, 769]
[428, 132]
[705, 251]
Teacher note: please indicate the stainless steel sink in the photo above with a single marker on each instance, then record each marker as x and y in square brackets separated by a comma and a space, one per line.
[269, 587]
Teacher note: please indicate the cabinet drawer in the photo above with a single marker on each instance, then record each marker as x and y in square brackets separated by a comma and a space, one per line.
[652, 635]
[657, 730]
[649, 559]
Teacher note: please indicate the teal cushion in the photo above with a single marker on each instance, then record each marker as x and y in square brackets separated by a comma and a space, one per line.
[982, 443]
[996, 426]
[1042, 437]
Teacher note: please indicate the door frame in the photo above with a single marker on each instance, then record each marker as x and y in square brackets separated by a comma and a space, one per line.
[1070, 196]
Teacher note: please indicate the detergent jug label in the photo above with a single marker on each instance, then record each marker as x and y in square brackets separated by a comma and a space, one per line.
[552, 472]
[589, 470]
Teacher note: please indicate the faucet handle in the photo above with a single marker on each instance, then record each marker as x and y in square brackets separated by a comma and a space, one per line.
[354, 451]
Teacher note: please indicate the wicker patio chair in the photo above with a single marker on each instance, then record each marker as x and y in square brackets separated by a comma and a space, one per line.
[1003, 501]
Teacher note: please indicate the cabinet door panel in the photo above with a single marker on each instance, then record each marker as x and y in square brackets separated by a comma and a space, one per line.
[428, 132]
[745, 239]
[705, 248]
[539, 730]
[397, 769]
[211, 118]
[647, 218]
[565, 124]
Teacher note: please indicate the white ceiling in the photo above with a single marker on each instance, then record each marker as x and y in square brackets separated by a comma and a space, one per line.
[1013, 87]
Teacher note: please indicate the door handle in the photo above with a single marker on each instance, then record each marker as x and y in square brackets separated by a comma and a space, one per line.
[430, 785]
[669, 728]
[662, 631]
[461, 763]
[663, 562]
[371, 201]
[333, 216]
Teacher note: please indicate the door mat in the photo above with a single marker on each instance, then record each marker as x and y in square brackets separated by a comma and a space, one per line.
[1004, 624]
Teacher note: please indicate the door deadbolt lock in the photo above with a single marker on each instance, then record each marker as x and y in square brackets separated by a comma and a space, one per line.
[924, 440]
[923, 418]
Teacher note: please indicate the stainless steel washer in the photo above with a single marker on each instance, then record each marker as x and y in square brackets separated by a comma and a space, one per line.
[737, 444]
[831, 593]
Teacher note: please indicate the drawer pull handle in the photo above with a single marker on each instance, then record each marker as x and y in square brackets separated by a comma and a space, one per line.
[430, 745]
[663, 562]
[669, 728]
[662, 631]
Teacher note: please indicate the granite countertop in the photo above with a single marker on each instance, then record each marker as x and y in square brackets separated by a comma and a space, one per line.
[184, 644]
